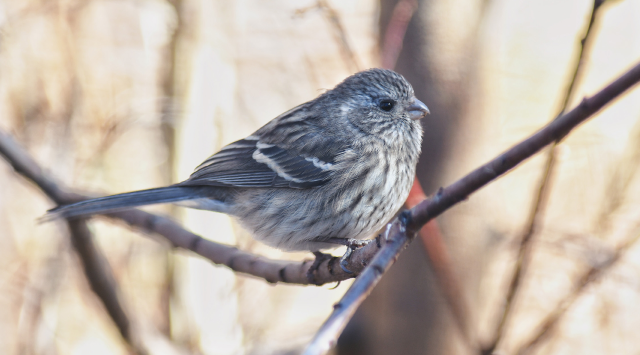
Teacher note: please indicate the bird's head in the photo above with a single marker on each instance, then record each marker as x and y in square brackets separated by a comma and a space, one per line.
[379, 102]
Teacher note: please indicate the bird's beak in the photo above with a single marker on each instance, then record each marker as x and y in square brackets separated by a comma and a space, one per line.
[417, 109]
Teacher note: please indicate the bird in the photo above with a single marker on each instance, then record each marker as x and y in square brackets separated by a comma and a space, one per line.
[329, 172]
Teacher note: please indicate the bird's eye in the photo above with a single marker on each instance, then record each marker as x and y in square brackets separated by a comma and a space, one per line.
[386, 105]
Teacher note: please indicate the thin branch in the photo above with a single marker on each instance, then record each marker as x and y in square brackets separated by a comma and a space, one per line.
[402, 230]
[272, 271]
[96, 269]
[340, 35]
[101, 279]
[542, 192]
[593, 274]
[168, 116]
[237, 260]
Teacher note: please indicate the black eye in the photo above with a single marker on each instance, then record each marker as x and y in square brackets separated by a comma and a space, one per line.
[386, 105]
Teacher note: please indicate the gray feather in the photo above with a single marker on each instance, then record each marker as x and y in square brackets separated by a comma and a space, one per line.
[129, 200]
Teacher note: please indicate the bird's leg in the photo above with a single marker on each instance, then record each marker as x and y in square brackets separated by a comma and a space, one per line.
[320, 257]
[352, 244]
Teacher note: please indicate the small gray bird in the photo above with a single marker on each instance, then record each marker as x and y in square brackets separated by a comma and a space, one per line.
[331, 171]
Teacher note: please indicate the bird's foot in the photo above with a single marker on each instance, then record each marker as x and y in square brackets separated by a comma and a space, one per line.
[320, 258]
[352, 244]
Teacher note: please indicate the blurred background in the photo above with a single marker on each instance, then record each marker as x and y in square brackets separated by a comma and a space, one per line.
[118, 95]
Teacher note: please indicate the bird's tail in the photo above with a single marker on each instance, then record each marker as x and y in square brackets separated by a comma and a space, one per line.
[127, 200]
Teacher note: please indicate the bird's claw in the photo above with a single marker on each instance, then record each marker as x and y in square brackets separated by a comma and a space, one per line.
[320, 258]
[352, 244]
[344, 260]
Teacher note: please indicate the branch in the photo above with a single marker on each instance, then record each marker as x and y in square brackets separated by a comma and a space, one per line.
[590, 276]
[402, 230]
[272, 271]
[340, 35]
[542, 192]
[99, 275]
[237, 260]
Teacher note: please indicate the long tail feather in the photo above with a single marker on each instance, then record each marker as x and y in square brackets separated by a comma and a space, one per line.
[126, 200]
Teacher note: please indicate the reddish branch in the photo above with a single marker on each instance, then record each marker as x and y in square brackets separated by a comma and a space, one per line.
[442, 264]
[432, 239]
[396, 29]
[402, 230]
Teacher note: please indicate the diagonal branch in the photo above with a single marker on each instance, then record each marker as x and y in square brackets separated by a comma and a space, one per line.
[402, 230]
[543, 190]
[96, 269]
[591, 275]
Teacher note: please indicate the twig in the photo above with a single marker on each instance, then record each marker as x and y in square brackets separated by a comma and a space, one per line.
[399, 236]
[543, 191]
[99, 275]
[591, 275]
[340, 35]
[168, 111]
[270, 270]
[396, 30]
[556, 130]
[239, 261]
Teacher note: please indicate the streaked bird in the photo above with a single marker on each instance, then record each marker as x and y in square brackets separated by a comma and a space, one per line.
[331, 171]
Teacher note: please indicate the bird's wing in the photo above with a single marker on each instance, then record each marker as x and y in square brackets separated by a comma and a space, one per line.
[296, 158]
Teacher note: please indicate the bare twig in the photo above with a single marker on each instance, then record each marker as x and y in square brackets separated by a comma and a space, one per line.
[271, 270]
[542, 192]
[168, 117]
[401, 231]
[590, 276]
[99, 275]
[237, 260]
[340, 35]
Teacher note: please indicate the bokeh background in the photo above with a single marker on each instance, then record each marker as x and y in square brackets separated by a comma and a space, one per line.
[118, 95]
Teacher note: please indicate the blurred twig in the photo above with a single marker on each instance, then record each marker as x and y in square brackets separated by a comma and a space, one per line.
[591, 275]
[99, 275]
[339, 33]
[542, 192]
[624, 173]
[171, 104]
[402, 230]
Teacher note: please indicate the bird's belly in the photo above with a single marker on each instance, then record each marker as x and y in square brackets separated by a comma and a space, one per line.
[302, 219]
